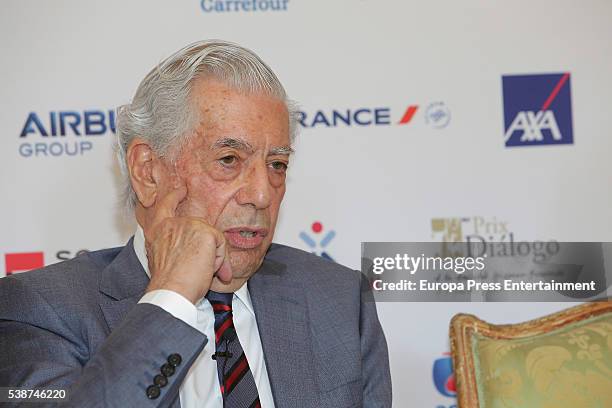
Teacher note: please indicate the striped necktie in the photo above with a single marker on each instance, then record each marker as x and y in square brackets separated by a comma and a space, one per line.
[237, 383]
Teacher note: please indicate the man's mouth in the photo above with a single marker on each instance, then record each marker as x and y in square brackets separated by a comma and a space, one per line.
[245, 237]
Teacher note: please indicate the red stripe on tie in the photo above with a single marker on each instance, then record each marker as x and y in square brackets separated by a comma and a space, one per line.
[221, 308]
[239, 369]
[226, 324]
[255, 404]
[555, 91]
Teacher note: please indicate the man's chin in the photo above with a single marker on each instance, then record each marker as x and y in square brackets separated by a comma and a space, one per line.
[225, 287]
[242, 269]
[217, 285]
[246, 261]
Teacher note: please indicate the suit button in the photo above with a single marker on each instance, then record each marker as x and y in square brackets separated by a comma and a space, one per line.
[167, 370]
[153, 391]
[160, 380]
[174, 359]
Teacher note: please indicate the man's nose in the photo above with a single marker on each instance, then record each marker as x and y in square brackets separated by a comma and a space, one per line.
[256, 187]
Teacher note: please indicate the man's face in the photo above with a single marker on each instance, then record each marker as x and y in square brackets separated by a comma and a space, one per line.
[234, 168]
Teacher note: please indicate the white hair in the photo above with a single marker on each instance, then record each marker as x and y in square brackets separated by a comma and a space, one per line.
[161, 113]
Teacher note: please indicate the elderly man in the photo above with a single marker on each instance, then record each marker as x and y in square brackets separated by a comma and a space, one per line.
[199, 309]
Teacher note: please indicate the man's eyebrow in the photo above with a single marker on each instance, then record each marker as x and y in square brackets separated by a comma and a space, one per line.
[234, 143]
[240, 144]
[281, 150]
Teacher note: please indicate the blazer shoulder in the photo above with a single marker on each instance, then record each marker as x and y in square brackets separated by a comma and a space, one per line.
[55, 287]
[66, 274]
[306, 263]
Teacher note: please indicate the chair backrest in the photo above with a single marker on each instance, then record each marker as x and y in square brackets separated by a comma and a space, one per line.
[560, 360]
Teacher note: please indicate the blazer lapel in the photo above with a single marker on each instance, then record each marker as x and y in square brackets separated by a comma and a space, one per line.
[121, 284]
[281, 311]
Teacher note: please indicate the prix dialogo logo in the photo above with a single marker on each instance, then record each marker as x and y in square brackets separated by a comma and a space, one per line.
[537, 109]
[249, 6]
[64, 133]
[436, 115]
[320, 241]
[443, 376]
[490, 236]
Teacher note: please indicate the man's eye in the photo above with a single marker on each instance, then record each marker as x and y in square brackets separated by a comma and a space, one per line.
[278, 165]
[228, 160]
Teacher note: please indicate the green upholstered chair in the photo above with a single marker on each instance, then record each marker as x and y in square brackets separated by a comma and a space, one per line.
[557, 361]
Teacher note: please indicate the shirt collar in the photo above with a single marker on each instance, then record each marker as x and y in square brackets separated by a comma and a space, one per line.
[242, 294]
[141, 251]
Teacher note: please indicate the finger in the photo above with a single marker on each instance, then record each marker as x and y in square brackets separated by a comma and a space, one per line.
[167, 205]
[223, 269]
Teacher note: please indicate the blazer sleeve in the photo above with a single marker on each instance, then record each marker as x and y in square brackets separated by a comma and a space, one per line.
[376, 374]
[39, 350]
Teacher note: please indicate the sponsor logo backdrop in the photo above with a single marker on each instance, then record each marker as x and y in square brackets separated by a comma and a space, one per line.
[420, 121]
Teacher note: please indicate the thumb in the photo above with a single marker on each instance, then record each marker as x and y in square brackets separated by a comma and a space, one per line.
[223, 268]
[224, 273]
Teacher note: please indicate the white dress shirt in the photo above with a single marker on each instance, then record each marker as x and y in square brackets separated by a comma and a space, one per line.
[200, 389]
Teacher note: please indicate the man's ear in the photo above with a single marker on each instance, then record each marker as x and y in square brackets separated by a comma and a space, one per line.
[141, 162]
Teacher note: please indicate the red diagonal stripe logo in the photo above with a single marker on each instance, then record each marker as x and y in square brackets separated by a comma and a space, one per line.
[555, 91]
[408, 114]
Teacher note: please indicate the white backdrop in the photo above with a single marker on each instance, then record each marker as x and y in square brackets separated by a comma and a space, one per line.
[364, 182]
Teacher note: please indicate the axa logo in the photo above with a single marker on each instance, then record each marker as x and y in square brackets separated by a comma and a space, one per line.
[537, 109]
[443, 376]
[63, 133]
[23, 262]
[319, 240]
[249, 6]
[436, 115]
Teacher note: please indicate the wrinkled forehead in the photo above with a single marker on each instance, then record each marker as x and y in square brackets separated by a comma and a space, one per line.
[229, 117]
